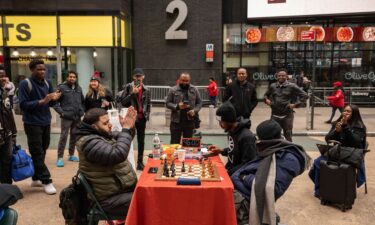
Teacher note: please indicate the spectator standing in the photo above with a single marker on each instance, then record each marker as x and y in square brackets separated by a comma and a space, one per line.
[8, 132]
[336, 100]
[185, 102]
[36, 95]
[241, 94]
[103, 159]
[213, 91]
[97, 96]
[70, 109]
[283, 97]
[137, 95]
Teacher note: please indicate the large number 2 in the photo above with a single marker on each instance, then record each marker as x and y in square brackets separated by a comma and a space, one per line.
[172, 33]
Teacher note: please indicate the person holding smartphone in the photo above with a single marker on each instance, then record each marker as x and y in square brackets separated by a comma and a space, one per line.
[137, 95]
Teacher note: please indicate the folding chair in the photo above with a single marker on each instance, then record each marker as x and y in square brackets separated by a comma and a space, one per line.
[10, 217]
[96, 212]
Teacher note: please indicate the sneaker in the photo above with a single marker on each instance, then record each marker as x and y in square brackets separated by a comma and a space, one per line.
[73, 158]
[140, 166]
[49, 189]
[36, 183]
[60, 162]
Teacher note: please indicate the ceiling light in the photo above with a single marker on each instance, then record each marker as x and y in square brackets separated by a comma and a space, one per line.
[95, 54]
[15, 52]
[32, 53]
[50, 52]
[68, 52]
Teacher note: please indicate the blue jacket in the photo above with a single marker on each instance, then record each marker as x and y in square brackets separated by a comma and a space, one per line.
[32, 112]
[289, 164]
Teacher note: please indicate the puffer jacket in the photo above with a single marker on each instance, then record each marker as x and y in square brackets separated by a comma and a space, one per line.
[337, 99]
[103, 159]
[175, 96]
[291, 161]
[71, 102]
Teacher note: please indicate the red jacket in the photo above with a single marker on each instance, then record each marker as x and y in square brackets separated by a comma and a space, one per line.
[212, 89]
[337, 99]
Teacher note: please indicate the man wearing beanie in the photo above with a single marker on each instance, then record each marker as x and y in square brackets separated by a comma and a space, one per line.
[259, 183]
[137, 95]
[185, 102]
[241, 147]
[283, 97]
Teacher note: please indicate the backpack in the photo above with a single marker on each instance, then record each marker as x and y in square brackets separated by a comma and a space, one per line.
[74, 203]
[16, 100]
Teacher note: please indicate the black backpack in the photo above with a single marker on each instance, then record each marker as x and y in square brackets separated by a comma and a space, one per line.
[74, 203]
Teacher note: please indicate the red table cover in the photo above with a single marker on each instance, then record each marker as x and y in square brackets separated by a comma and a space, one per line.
[166, 203]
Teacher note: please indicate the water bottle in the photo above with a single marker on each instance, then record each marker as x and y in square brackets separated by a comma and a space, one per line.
[157, 148]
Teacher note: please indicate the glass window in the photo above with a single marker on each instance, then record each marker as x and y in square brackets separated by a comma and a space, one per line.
[232, 38]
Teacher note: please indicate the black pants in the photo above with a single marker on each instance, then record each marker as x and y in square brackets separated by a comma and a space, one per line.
[38, 138]
[177, 129]
[287, 124]
[66, 126]
[140, 125]
[5, 161]
[334, 108]
[117, 205]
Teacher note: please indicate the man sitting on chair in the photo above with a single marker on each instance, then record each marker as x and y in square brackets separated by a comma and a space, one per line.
[103, 159]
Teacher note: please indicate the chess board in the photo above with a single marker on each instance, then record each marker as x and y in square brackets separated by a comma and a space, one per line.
[196, 171]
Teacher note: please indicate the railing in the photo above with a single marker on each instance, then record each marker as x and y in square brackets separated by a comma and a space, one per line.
[353, 95]
[159, 93]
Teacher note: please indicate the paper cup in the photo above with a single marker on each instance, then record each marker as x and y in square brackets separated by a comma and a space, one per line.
[181, 154]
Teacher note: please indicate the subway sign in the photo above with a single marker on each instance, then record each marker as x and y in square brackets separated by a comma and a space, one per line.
[42, 31]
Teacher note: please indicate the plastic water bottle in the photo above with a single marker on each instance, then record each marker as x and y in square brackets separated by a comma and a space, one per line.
[156, 150]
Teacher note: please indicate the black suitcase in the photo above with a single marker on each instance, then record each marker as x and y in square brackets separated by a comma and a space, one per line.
[337, 184]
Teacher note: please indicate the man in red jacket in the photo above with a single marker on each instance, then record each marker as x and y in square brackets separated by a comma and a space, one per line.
[336, 100]
[212, 91]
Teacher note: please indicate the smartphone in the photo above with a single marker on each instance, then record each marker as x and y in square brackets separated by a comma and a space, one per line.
[137, 83]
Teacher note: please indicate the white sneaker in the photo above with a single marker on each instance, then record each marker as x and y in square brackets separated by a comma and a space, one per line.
[36, 183]
[49, 189]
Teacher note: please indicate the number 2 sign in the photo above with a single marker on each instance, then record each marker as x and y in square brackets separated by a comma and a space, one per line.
[173, 33]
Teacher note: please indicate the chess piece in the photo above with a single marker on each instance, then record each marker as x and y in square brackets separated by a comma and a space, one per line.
[165, 170]
[183, 167]
[173, 174]
[172, 166]
[190, 169]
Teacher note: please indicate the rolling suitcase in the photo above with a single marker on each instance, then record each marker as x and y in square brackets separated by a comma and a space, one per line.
[337, 184]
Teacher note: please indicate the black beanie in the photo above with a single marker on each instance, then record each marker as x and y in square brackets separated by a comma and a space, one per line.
[226, 112]
[268, 130]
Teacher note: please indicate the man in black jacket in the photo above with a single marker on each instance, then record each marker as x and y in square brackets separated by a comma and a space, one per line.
[137, 95]
[8, 132]
[241, 94]
[241, 148]
[283, 97]
[70, 109]
[103, 159]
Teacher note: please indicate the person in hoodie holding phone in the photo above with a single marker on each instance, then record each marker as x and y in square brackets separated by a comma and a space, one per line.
[241, 141]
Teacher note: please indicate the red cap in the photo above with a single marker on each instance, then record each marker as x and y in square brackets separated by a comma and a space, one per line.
[337, 84]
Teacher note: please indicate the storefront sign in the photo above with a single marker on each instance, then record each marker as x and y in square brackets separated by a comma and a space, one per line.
[358, 76]
[30, 30]
[209, 52]
[86, 31]
[263, 76]
[307, 35]
[257, 9]
[41, 31]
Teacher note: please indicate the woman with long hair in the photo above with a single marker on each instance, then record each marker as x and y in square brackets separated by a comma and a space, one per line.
[350, 131]
[336, 100]
[97, 96]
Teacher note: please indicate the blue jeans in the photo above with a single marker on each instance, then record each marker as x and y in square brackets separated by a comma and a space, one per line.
[213, 100]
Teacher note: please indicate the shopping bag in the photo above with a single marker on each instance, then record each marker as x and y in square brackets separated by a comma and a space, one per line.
[22, 164]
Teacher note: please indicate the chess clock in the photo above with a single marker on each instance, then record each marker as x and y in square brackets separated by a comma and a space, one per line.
[190, 142]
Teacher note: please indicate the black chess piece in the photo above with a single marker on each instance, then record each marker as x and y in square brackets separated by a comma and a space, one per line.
[173, 165]
[183, 167]
[173, 174]
[165, 170]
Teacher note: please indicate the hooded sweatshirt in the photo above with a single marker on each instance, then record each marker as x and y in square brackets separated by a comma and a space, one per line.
[241, 148]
